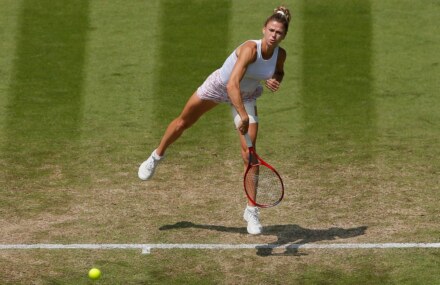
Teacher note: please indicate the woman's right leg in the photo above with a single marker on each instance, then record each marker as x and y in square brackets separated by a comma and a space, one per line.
[193, 110]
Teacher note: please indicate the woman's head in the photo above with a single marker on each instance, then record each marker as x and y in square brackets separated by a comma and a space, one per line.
[281, 15]
[276, 26]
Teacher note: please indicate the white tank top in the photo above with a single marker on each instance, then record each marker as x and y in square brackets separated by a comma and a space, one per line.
[257, 71]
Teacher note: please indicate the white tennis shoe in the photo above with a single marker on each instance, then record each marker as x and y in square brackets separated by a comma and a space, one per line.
[147, 168]
[252, 217]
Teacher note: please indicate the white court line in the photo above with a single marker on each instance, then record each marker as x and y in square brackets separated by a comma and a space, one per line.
[146, 248]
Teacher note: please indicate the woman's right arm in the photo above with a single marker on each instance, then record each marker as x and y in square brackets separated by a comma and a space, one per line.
[246, 54]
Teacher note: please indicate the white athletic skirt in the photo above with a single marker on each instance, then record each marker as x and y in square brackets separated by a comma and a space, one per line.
[214, 89]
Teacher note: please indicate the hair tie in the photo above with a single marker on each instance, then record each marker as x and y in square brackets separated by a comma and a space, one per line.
[281, 12]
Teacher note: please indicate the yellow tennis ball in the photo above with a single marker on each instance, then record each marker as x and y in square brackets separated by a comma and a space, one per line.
[94, 273]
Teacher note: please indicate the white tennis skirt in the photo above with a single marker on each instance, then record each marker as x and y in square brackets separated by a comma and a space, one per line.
[213, 89]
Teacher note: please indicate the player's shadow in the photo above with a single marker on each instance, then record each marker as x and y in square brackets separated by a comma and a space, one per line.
[289, 237]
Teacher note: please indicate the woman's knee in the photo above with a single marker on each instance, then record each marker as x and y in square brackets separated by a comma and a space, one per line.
[182, 124]
[245, 154]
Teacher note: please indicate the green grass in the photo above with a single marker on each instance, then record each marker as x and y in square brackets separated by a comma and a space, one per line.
[87, 88]
[209, 267]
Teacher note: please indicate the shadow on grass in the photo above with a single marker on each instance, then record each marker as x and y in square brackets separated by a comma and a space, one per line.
[289, 236]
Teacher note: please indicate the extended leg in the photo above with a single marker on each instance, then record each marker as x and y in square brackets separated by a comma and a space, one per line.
[193, 110]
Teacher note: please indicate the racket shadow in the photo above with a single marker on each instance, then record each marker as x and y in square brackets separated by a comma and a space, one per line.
[289, 236]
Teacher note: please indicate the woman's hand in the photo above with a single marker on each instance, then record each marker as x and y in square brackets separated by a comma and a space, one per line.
[272, 84]
[244, 125]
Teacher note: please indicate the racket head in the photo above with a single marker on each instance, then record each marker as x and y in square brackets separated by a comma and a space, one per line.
[263, 185]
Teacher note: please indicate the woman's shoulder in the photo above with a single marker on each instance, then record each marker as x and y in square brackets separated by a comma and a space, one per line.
[247, 46]
[250, 44]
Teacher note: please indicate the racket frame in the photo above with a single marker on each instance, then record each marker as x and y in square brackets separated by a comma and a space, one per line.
[260, 161]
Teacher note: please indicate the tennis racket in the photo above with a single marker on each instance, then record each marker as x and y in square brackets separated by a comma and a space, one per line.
[262, 183]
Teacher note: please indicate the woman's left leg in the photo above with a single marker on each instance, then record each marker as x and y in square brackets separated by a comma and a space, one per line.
[251, 109]
[251, 214]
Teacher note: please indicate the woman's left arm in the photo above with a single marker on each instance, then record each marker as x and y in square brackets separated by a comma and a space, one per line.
[273, 84]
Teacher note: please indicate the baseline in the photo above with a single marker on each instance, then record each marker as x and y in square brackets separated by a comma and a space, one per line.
[146, 248]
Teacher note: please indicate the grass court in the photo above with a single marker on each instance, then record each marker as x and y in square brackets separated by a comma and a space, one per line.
[88, 87]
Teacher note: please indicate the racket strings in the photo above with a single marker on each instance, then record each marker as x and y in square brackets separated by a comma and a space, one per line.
[265, 183]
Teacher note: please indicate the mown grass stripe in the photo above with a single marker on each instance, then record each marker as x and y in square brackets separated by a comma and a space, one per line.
[9, 15]
[44, 105]
[118, 95]
[192, 45]
[45, 95]
[339, 109]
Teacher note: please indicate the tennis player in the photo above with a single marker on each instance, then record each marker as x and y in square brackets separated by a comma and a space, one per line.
[236, 83]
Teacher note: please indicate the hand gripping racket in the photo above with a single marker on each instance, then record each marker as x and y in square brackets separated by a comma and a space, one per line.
[262, 183]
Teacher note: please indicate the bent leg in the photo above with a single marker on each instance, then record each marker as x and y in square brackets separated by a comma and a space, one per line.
[253, 132]
[193, 110]
[251, 109]
[251, 214]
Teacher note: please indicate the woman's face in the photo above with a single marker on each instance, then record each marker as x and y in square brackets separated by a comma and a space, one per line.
[274, 32]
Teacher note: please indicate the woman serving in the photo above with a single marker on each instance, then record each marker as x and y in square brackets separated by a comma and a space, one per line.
[236, 83]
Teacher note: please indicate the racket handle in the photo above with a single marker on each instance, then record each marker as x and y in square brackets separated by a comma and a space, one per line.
[248, 140]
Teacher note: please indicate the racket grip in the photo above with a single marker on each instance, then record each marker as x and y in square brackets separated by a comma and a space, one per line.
[248, 140]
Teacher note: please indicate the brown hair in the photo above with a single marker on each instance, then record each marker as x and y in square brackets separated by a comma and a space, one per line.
[280, 14]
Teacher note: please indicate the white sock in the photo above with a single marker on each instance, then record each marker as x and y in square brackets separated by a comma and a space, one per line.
[156, 156]
[250, 208]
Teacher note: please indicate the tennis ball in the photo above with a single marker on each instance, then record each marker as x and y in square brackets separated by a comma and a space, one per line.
[94, 273]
